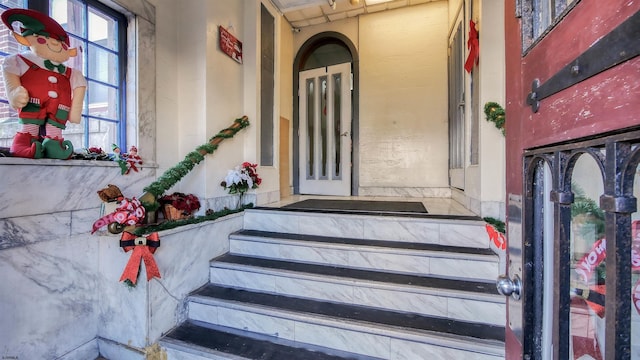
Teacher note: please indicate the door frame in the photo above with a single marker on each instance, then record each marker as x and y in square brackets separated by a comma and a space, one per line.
[328, 37]
[548, 127]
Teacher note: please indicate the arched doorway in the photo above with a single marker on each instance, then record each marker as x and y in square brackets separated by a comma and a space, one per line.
[325, 141]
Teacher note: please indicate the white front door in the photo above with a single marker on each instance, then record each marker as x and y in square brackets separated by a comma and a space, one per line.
[325, 131]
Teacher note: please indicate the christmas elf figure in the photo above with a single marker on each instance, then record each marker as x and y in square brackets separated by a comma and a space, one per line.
[45, 92]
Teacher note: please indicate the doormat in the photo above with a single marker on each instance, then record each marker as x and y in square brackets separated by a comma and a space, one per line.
[359, 206]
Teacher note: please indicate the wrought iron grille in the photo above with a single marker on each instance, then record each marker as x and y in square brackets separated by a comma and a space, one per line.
[617, 156]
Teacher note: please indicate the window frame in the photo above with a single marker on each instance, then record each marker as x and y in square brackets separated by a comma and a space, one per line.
[525, 9]
[121, 52]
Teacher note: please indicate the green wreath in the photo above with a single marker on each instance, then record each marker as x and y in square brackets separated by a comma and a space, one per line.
[495, 113]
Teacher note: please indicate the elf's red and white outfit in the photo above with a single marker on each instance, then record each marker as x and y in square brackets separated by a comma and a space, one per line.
[49, 90]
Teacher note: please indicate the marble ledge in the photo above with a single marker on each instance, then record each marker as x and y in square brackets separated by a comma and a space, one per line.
[56, 162]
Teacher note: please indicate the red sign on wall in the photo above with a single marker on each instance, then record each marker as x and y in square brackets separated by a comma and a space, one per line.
[230, 45]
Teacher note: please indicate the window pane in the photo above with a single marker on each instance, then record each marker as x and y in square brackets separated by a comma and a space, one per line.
[102, 134]
[102, 30]
[311, 119]
[102, 101]
[8, 124]
[77, 62]
[337, 119]
[323, 127]
[13, 4]
[103, 65]
[70, 14]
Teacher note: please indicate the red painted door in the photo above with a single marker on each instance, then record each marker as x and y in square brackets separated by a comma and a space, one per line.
[555, 98]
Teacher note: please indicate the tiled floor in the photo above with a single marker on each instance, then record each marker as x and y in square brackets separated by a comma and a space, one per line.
[435, 206]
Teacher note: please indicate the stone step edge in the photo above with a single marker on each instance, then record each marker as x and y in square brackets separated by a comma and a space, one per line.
[420, 290]
[363, 281]
[457, 219]
[250, 340]
[485, 346]
[379, 246]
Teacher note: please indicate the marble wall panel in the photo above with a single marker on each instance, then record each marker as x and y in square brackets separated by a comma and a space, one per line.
[184, 258]
[123, 309]
[243, 279]
[472, 235]
[48, 298]
[347, 340]
[53, 186]
[271, 221]
[327, 225]
[256, 322]
[84, 352]
[398, 229]
[28, 230]
[409, 350]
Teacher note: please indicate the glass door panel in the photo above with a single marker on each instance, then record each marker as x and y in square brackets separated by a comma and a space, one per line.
[588, 259]
[310, 119]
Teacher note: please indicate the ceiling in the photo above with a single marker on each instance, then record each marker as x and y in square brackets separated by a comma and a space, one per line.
[301, 13]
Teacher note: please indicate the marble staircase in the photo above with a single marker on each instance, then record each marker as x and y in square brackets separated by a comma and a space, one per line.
[316, 285]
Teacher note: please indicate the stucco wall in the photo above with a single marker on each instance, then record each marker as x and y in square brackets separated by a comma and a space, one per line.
[403, 98]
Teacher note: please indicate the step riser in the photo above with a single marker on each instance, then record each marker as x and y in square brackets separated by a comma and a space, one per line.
[414, 262]
[357, 338]
[186, 352]
[420, 230]
[459, 306]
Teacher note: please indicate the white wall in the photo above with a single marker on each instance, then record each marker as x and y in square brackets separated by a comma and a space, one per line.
[403, 97]
[484, 182]
[492, 88]
[202, 91]
[286, 57]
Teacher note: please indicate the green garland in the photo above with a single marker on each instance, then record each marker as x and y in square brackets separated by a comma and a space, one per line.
[498, 224]
[495, 113]
[166, 225]
[176, 173]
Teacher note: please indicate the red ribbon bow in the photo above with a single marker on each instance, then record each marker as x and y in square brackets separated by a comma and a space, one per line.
[143, 250]
[497, 237]
[473, 44]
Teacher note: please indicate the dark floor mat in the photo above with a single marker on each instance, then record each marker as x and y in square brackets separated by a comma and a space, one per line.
[359, 206]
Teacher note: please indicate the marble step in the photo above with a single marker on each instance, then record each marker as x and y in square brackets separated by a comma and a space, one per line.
[381, 255]
[348, 328]
[195, 340]
[459, 299]
[464, 231]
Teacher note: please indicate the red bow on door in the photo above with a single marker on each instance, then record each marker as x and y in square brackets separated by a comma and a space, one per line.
[473, 44]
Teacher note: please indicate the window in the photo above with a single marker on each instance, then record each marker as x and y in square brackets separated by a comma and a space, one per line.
[100, 33]
[540, 16]
[267, 71]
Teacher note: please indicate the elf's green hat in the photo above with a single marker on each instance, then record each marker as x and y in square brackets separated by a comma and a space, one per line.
[34, 22]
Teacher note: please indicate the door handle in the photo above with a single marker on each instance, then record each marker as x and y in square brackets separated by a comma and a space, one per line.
[508, 287]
